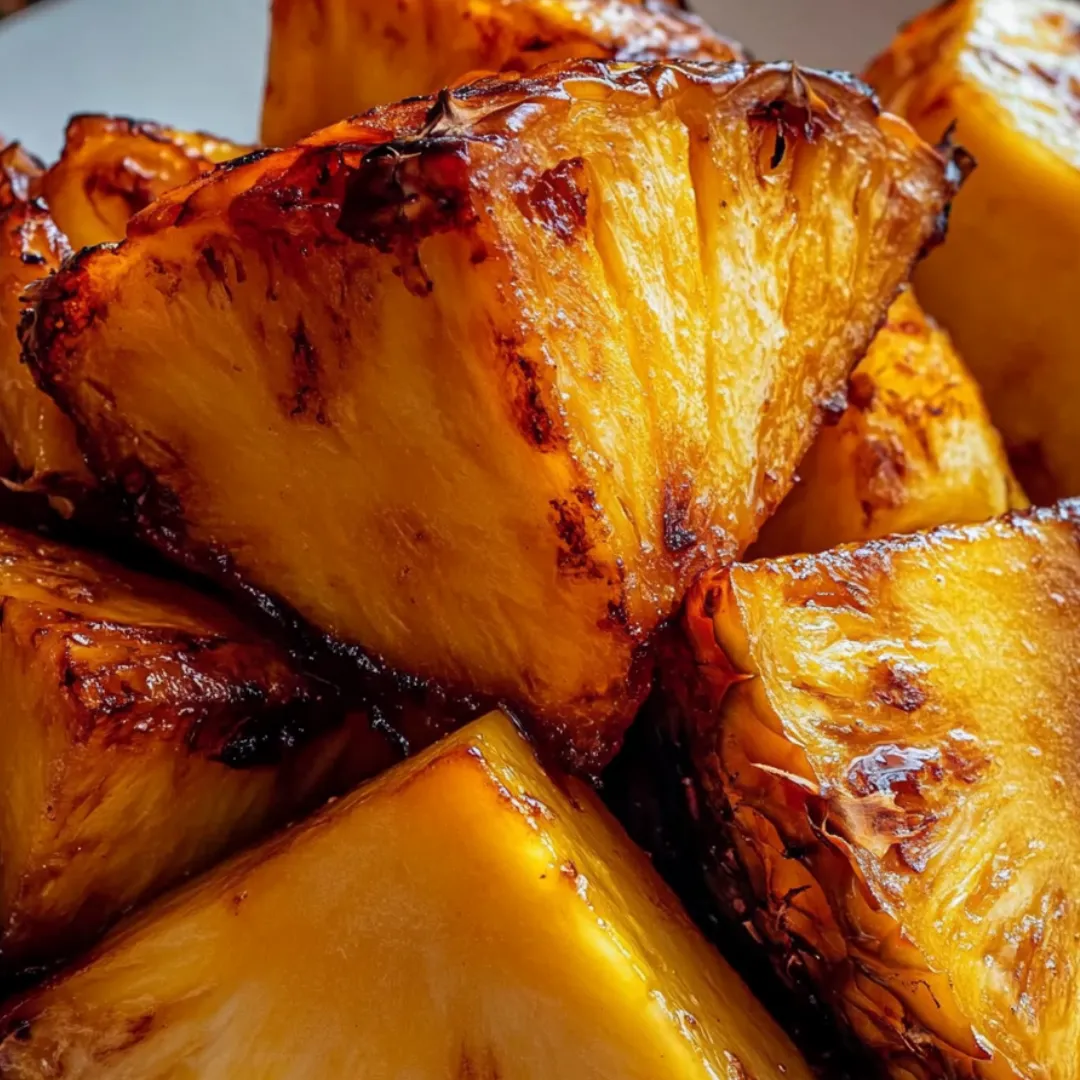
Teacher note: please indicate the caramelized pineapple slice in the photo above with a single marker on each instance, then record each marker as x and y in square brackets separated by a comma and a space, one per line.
[479, 385]
[336, 58]
[128, 703]
[112, 167]
[915, 448]
[890, 731]
[464, 915]
[39, 439]
[1008, 73]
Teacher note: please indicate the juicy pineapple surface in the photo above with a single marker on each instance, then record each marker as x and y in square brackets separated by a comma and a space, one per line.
[479, 384]
[39, 438]
[914, 448]
[112, 167]
[337, 58]
[127, 702]
[890, 732]
[1007, 72]
[464, 915]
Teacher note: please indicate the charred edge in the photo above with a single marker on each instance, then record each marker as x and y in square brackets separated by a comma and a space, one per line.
[268, 737]
[678, 536]
[559, 200]
[959, 165]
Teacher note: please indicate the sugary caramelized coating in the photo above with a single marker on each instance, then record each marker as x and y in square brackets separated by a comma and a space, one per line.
[336, 58]
[112, 167]
[889, 733]
[914, 448]
[1007, 74]
[480, 384]
[146, 731]
[498, 918]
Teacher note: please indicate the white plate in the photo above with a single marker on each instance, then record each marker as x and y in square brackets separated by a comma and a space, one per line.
[199, 63]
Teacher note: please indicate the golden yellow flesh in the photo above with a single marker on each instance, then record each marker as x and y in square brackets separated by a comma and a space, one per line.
[901, 767]
[914, 448]
[484, 403]
[40, 439]
[122, 695]
[462, 916]
[1008, 73]
[112, 167]
[337, 58]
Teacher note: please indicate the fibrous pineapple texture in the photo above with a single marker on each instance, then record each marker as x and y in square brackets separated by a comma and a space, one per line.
[1007, 73]
[464, 915]
[336, 58]
[914, 448]
[480, 384]
[888, 735]
[109, 169]
[128, 702]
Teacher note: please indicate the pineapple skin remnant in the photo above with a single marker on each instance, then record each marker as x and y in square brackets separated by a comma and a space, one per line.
[1007, 74]
[465, 915]
[887, 735]
[338, 58]
[566, 431]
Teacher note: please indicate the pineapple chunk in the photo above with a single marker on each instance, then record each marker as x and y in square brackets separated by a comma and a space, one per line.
[1008, 73]
[128, 701]
[40, 440]
[479, 385]
[915, 448]
[112, 167]
[464, 915]
[890, 732]
[336, 58]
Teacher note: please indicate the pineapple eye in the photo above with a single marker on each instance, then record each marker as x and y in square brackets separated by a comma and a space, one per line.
[779, 149]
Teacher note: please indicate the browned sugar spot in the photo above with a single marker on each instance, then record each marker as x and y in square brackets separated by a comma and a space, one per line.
[559, 199]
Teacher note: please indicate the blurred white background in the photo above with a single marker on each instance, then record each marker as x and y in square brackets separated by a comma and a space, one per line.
[199, 63]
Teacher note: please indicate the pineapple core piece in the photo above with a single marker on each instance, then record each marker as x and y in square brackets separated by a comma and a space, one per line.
[127, 702]
[336, 58]
[1007, 74]
[915, 448]
[889, 733]
[464, 915]
[479, 385]
[109, 169]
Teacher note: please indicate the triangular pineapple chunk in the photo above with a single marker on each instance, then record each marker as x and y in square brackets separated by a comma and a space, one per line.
[915, 448]
[479, 385]
[109, 169]
[338, 58]
[112, 167]
[131, 709]
[890, 732]
[1007, 74]
[462, 916]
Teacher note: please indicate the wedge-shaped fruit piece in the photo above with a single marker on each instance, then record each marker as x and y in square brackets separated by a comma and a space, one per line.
[128, 702]
[896, 756]
[336, 58]
[1007, 72]
[39, 438]
[915, 448]
[112, 167]
[480, 384]
[500, 919]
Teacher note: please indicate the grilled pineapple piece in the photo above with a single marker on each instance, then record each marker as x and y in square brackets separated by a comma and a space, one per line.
[500, 919]
[112, 167]
[39, 439]
[128, 701]
[890, 730]
[1008, 73]
[479, 385]
[915, 448]
[336, 58]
